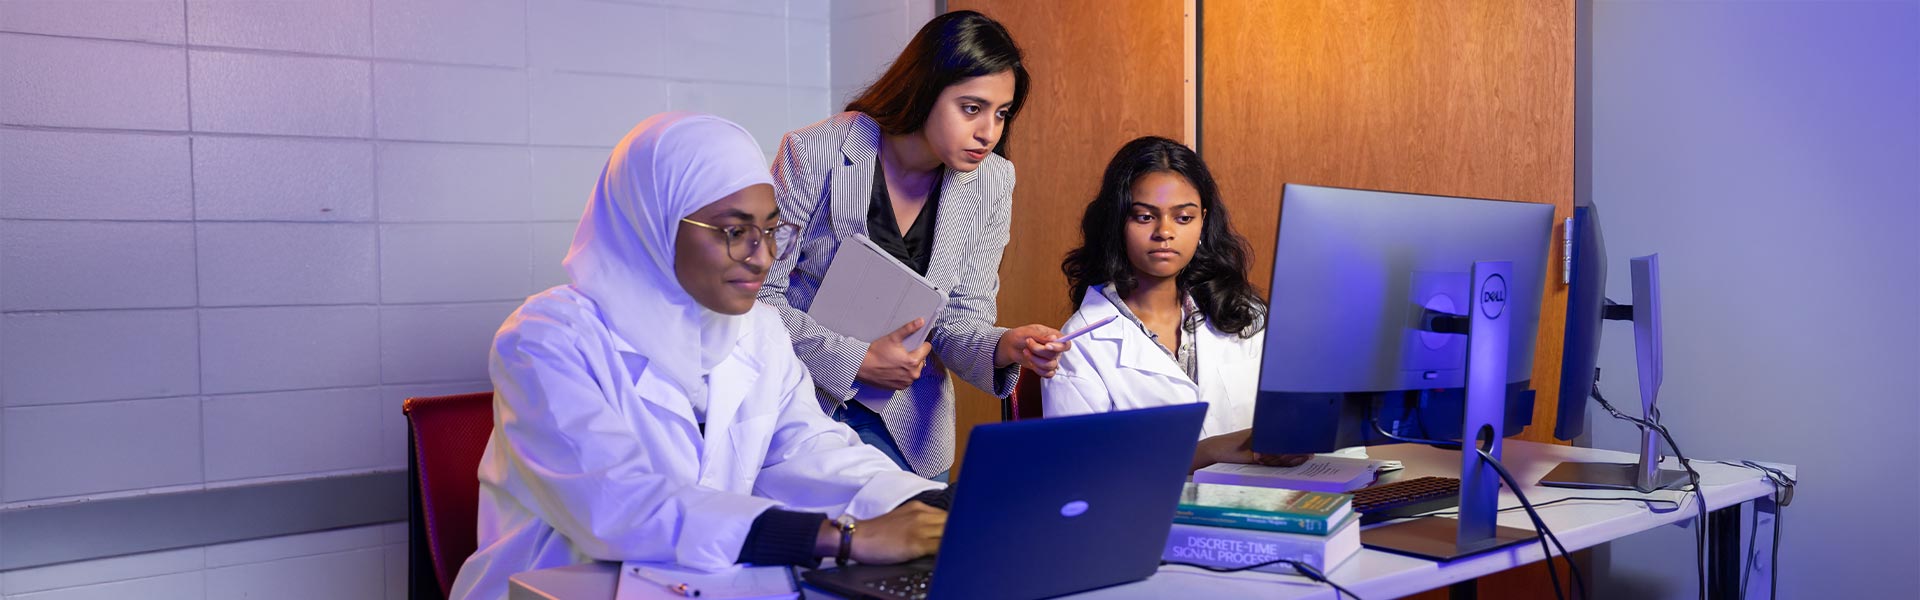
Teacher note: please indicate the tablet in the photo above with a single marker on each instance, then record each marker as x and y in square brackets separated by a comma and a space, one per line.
[867, 294]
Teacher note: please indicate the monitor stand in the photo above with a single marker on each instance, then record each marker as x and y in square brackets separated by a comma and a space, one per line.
[1477, 529]
[1645, 475]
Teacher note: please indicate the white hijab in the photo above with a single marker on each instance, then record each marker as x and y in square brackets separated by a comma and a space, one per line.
[668, 167]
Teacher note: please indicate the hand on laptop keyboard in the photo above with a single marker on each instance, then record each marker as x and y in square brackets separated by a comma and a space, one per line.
[911, 531]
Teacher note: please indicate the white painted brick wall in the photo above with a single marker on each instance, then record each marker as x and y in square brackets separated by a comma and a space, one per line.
[52, 357]
[451, 103]
[142, 20]
[66, 82]
[455, 182]
[280, 94]
[289, 433]
[69, 175]
[252, 264]
[101, 446]
[282, 179]
[336, 27]
[262, 349]
[235, 234]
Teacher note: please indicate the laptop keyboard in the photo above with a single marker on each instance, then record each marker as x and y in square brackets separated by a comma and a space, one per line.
[912, 586]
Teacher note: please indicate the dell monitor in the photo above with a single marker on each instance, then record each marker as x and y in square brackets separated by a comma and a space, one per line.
[1406, 314]
[1587, 310]
[1586, 279]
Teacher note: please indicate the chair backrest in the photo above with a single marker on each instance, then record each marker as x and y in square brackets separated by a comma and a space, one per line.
[1024, 402]
[447, 435]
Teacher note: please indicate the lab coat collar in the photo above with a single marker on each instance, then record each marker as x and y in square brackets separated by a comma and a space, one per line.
[1136, 350]
[727, 387]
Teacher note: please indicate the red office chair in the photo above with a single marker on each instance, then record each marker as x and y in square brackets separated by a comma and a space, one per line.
[446, 436]
[1024, 402]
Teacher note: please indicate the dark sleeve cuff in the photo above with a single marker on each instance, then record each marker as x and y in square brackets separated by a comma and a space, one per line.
[1005, 380]
[782, 537]
[940, 498]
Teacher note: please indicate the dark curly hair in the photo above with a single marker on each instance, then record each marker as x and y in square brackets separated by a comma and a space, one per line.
[1217, 276]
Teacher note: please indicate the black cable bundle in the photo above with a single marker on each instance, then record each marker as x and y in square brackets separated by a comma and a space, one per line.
[1693, 479]
[1782, 496]
[1539, 526]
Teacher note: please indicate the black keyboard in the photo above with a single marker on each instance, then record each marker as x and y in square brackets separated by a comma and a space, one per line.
[912, 586]
[1405, 498]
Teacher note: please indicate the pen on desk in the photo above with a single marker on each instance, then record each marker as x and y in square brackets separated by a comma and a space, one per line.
[1083, 330]
[673, 587]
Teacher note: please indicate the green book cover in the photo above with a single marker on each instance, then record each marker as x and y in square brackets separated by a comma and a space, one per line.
[1269, 509]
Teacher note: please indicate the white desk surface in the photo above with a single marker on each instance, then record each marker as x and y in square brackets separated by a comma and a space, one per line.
[1371, 573]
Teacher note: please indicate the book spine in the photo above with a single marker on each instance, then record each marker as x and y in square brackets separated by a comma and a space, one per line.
[1245, 480]
[1214, 547]
[1240, 519]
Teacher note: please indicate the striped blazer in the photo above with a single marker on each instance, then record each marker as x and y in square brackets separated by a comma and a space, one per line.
[823, 181]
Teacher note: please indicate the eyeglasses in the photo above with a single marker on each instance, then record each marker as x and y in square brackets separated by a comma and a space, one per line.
[743, 242]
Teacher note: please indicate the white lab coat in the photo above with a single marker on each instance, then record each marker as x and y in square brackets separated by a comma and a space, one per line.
[1117, 367]
[594, 457]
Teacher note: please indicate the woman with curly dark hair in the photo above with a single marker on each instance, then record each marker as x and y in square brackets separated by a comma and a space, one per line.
[1160, 260]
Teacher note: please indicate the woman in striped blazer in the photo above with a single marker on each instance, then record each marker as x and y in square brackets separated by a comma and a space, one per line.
[916, 164]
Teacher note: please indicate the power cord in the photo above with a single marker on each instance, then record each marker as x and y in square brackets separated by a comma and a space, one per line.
[1693, 478]
[1648, 502]
[1579, 582]
[1539, 526]
[1782, 496]
[1303, 568]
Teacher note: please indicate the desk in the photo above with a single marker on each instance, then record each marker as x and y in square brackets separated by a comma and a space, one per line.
[1374, 574]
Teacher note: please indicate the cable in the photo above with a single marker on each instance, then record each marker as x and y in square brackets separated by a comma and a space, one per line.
[1579, 582]
[1693, 478]
[1539, 526]
[1753, 535]
[1441, 444]
[1699, 493]
[1773, 569]
[1303, 568]
[1783, 485]
[1646, 501]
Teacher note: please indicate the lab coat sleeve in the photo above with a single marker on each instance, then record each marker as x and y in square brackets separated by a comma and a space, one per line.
[964, 334]
[816, 464]
[590, 474]
[834, 359]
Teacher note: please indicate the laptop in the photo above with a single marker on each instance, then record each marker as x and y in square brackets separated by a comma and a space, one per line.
[1048, 507]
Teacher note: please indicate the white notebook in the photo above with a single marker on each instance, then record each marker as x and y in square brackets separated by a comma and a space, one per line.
[1322, 473]
[867, 294]
[648, 581]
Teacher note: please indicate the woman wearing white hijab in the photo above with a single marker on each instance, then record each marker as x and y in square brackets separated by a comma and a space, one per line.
[652, 411]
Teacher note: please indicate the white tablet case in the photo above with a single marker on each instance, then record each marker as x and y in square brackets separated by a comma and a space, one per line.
[867, 294]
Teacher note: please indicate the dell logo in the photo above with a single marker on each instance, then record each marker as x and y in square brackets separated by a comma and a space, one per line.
[1493, 296]
[1073, 509]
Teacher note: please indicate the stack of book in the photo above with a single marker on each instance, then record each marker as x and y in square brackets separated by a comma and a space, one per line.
[1230, 526]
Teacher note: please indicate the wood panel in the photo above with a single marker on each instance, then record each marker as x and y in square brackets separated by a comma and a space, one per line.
[1450, 97]
[1458, 98]
[1102, 73]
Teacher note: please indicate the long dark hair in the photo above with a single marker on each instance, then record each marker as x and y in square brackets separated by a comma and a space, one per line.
[958, 45]
[1217, 276]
